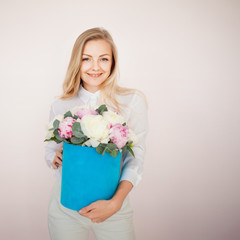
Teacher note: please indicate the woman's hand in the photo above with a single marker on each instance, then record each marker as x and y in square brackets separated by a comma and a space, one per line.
[100, 210]
[57, 161]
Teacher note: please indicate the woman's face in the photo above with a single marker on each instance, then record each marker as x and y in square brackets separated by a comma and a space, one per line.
[96, 64]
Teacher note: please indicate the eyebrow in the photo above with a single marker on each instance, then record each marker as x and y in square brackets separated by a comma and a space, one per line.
[99, 56]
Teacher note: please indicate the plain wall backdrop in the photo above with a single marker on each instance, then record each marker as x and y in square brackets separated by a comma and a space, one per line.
[184, 55]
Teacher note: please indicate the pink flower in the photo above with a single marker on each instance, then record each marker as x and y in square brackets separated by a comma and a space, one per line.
[65, 127]
[82, 112]
[119, 135]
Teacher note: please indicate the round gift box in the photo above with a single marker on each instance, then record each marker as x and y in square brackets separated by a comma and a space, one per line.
[87, 176]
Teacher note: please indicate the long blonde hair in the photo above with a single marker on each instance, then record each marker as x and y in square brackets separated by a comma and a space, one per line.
[109, 88]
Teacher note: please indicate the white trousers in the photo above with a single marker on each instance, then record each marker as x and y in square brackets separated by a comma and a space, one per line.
[67, 224]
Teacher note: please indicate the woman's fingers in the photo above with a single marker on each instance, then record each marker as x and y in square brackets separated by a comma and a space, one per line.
[59, 155]
[55, 164]
[57, 161]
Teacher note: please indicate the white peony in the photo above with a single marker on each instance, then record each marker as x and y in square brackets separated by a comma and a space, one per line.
[96, 128]
[94, 143]
[59, 117]
[113, 117]
[133, 137]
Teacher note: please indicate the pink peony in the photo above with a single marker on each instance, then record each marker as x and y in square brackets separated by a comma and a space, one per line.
[82, 112]
[119, 135]
[65, 127]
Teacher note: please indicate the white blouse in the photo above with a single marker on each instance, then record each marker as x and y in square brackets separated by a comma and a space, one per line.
[136, 117]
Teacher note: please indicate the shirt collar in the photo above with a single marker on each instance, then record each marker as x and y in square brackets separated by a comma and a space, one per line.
[85, 95]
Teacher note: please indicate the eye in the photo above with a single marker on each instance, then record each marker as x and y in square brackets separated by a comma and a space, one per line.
[85, 59]
[104, 59]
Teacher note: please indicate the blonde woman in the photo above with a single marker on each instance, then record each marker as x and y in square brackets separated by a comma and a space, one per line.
[91, 78]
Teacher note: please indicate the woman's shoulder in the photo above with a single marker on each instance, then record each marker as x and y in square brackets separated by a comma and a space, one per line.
[133, 97]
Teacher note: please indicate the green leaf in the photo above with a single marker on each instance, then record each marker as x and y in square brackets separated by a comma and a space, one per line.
[53, 139]
[101, 109]
[75, 117]
[68, 114]
[57, 135]
[50, 139]
[124, 124]
[77, 131]
[56, 124]
[130, 150]
[114, 153]
[101, 148]
[56, 140]
[76, 126]
[59, 138]
[76, 140]
[124, 149]
[104, 145]
[66, 140]
[84, 139]
[108, 151]
[111, 146]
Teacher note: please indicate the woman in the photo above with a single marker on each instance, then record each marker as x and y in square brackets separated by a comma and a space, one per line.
[92, 79]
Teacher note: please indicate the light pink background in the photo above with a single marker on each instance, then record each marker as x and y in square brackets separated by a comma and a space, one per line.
[184, 55]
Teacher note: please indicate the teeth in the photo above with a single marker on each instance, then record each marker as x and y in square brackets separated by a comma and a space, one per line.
[95, 75]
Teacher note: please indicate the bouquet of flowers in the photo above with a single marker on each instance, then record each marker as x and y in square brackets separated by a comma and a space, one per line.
[93, 143]
[100, 128]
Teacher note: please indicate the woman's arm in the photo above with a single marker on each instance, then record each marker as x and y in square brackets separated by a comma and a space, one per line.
[100, 210]
[132, 168]
[124, 187]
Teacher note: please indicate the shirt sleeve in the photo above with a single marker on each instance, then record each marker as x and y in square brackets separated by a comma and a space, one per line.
[132, 168]
[51, 147]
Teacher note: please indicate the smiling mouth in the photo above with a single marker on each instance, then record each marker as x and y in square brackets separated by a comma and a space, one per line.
[95, 75]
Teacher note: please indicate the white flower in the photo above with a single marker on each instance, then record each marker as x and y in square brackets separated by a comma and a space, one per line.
[49, 134]
[96, 128]
[50, 125]
[133, 137]
[87, 143]
[93, 143]
[113, 117]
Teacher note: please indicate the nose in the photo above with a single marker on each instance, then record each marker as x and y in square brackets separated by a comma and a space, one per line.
[95, 65]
